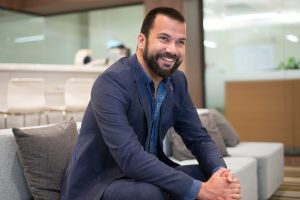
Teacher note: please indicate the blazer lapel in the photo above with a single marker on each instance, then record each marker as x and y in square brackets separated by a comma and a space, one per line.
[140, 88]
[143, 99]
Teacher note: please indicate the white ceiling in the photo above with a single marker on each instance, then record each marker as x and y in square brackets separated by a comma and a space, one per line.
[227, 14]
[233, 7]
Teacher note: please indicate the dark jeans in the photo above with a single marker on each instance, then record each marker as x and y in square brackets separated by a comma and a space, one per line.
[129, 189]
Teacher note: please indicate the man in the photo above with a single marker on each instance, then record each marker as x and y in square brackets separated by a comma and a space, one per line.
[118, 155]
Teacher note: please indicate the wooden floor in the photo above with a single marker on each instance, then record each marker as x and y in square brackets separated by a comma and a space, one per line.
[293, 161]
[290, 187]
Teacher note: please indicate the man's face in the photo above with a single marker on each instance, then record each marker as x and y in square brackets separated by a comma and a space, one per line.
[165, 46]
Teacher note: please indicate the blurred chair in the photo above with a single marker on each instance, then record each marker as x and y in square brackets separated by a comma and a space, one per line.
[25, 96]
[76, 96]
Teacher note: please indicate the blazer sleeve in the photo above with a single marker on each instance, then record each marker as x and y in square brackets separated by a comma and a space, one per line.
[110, 100]
[193, 134]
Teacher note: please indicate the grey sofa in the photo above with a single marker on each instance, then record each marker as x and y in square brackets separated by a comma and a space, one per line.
[259, 166]
[270, 164]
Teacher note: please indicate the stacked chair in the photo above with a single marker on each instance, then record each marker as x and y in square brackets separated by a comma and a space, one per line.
[25, 96]
[76, 96]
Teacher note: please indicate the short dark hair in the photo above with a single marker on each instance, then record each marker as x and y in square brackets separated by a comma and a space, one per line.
[166, 11]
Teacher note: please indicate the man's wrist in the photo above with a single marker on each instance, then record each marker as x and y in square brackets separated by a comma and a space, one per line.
[202, 194]
[193, 192]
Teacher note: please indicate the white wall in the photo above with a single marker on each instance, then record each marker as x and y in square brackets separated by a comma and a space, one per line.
[56, 39]
[221, 61]
[122, 24]
[223, 57]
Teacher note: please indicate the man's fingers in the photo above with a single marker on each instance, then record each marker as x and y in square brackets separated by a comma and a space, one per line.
[221, 171]
[231, 197]
[235, 196]
[230, 178]
[234, 186]
[234, 181]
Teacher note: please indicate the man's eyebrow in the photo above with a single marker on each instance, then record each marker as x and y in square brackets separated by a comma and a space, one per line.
[164, 34]
[169, 36]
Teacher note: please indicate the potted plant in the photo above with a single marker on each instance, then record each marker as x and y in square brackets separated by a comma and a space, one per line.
[291, 63]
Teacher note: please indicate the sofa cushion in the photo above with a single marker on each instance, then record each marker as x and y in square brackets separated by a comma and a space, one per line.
[214, 132]
[270, 164]
[229, 134]
[44, 154]
[179, 149]
[244, 168]
[12, 181]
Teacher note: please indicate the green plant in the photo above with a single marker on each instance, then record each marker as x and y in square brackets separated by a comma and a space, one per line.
[291, 63]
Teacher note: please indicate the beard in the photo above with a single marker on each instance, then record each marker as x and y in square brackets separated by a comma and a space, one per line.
[152, 62]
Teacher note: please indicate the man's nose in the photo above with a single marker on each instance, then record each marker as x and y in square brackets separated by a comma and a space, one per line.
[171, 48]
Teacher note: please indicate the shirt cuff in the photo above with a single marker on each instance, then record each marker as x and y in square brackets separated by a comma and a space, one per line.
[216, 169]
[192, 194]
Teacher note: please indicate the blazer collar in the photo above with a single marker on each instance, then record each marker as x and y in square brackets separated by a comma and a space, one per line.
[140, 85]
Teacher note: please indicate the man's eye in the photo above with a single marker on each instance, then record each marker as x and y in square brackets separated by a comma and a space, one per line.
[164, 39]
[180, 42]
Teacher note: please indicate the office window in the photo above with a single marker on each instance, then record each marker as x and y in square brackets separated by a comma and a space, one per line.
[27, 38]
[249, 40]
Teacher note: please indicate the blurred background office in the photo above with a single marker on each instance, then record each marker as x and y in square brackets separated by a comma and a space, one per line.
[242, 55]
[242, 58]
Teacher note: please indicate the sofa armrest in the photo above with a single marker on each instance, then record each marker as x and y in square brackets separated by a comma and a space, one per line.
[12, 181]
[270, 164]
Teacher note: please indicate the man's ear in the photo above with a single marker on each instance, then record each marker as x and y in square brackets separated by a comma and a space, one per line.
[141, 41]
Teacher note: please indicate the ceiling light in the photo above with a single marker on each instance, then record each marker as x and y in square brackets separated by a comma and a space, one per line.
[292, 38]
[31, 38]
[210, 44]
[238, 21]
[255, 16]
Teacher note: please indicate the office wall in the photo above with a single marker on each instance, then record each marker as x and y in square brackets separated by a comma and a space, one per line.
[118, 24]
[27, 38]
[31, 39]
[222, 62]
[229, 40]
[14, 27]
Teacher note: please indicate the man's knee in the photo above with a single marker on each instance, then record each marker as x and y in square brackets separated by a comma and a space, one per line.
[132, 190]
[151, 192]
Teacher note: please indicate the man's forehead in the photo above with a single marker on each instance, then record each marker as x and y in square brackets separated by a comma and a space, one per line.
[165, 24]
[165, 18]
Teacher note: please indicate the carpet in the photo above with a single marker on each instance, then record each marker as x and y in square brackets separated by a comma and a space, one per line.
[290, 187]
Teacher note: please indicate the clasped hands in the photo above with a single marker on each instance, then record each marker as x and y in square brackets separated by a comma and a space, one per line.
[222, 185]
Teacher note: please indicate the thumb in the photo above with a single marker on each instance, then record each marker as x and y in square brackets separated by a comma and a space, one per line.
[221, 171]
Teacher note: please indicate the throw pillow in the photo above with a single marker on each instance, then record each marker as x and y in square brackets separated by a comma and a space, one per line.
[214, 132]
[229, 134]
[44, 153]
[181, 152]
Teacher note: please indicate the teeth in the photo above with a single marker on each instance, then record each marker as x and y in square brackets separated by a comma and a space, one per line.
[168, 59]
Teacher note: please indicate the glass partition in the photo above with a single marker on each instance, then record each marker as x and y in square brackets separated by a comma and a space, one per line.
[252, 70]
[247, 40]
[26, 38]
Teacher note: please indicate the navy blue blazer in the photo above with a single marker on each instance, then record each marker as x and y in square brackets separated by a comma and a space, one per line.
[114, 130]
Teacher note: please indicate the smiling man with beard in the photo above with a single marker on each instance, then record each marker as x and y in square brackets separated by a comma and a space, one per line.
[119, 153]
